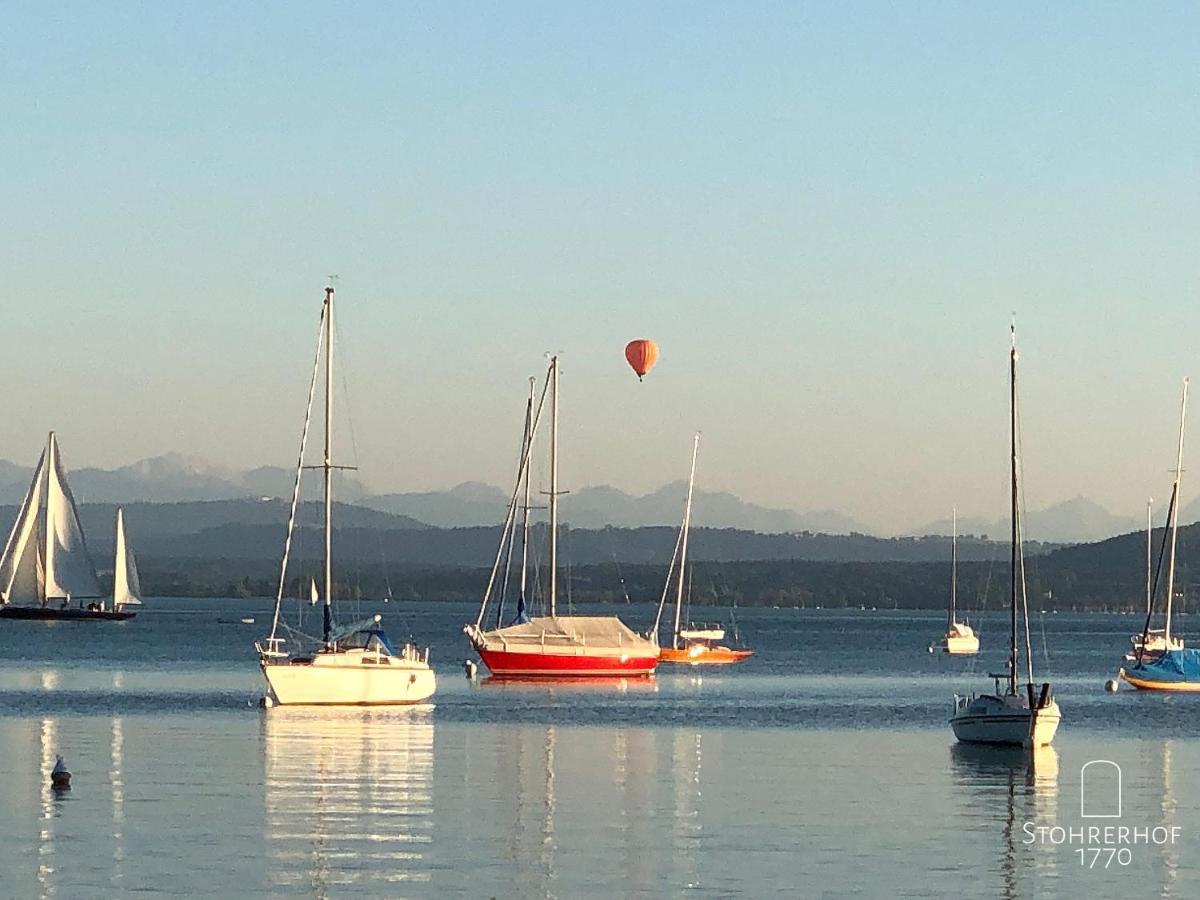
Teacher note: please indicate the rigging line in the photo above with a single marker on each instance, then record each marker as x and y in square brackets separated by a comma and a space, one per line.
[512, 504]
[1022, 513]
[343, 367]
[526, 441]
[287, 544]
[1162, 552]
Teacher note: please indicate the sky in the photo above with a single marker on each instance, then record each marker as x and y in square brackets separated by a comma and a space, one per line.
[826, 215]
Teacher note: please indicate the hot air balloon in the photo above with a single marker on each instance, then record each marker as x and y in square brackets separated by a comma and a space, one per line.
[642, 355]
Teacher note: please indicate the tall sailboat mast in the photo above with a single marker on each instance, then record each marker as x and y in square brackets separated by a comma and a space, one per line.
[327, 464]
[553, 486]
[1012, 406]
[683, 541]
[953, 568]
[1175, 515]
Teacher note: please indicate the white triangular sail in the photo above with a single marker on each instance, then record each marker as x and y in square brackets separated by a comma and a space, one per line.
[69, 568]
[127, 588]
[21, 571]
[314, 596]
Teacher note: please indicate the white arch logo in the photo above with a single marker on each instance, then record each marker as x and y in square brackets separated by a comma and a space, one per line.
[1105, 793]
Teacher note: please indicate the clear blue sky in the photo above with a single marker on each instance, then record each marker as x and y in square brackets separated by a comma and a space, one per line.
[824, 213]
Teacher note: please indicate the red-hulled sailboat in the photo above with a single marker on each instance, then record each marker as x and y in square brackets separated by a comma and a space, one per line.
[551, 646]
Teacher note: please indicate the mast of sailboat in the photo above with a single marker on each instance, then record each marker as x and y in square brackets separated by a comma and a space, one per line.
[522, 599]
[683, 540]
[1175, 516]
[1012, 407]
[953, 567]
[327, 465]
[553, 592]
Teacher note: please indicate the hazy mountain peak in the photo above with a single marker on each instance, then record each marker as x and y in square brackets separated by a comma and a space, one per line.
[171, 465]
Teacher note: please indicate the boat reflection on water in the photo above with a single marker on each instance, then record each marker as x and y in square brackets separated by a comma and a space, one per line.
[349, 798]
[599, 684]
[571, 810]
[1027, 781]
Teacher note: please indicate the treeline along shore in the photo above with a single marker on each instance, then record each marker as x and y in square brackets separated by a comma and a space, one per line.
[242, 561]
[232, 549]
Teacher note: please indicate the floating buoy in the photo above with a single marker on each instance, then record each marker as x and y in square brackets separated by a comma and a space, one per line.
[1111, 685]
[60, 778]
[470, 669]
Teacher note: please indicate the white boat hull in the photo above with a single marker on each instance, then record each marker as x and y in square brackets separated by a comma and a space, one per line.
[349, 679]
[1007, 721]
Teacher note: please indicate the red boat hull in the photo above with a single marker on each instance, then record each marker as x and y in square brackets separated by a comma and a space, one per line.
[537, 665]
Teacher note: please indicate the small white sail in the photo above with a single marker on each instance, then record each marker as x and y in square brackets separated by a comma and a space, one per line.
[69, 568]
[21, 572]
[127, 588]
[314, 596]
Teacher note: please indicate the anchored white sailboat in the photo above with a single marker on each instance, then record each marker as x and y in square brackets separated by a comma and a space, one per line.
[351, 665]
[1153, 641]
[1026, 718]
[960, 638]
[46, 571]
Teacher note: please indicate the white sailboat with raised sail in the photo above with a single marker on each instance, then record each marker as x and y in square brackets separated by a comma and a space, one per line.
[1026, 718]
[46, 571]
[127, 586]
[349, 665]
[960, 638]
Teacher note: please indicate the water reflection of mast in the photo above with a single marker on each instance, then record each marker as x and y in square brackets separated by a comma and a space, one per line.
[1168, 806]
[45, 872]
[687, 761]
[117, 780]
[547, 855]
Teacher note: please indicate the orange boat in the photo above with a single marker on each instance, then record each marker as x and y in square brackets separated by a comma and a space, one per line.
[692, 646]
[701, 654]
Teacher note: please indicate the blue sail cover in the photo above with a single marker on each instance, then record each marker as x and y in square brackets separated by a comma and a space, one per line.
[1172, 667]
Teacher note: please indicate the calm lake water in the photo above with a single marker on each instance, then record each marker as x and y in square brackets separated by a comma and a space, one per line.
[824, 766]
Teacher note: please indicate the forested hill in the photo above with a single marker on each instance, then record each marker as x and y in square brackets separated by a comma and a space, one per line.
[253, 529]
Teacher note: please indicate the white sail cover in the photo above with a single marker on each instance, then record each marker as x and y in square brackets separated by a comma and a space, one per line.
[584, 635]
[21, 567]
[69, 568]
[127, 587]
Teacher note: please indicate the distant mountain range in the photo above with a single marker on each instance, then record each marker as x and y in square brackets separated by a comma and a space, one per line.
[1078, 520]
[177, 478]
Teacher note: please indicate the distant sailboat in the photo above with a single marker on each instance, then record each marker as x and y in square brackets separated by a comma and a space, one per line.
[960, 638]
[693, 645]
[1027, 718]
[1161, 662]
[127, 587]
[46, 571]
